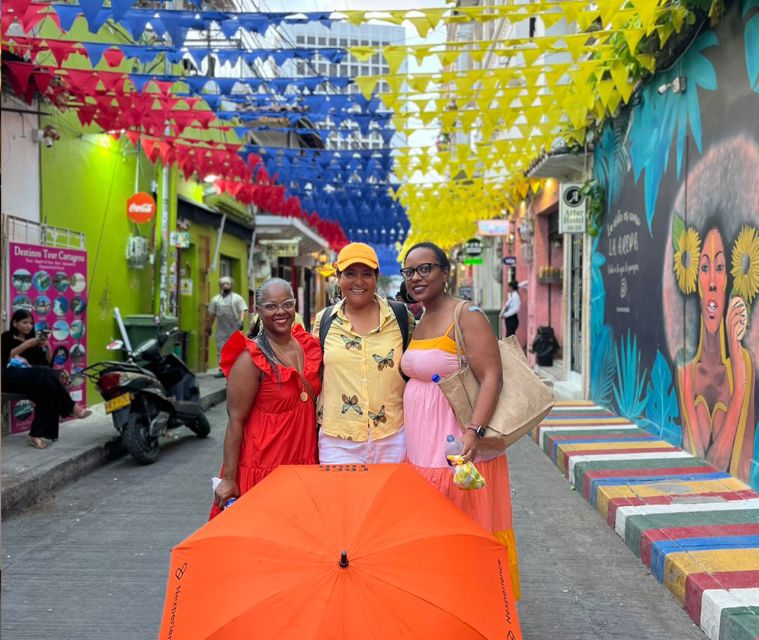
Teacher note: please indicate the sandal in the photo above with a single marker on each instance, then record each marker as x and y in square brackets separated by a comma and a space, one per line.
[37, 443]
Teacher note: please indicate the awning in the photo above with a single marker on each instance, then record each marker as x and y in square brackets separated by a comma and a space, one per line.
[280, 229]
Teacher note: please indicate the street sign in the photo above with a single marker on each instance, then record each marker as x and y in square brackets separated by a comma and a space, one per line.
[180, 239]
[509, 261]
[497, 227]
[472, 261]
[572, 208]
[473, 247]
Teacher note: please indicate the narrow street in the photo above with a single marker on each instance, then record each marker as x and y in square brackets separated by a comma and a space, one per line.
[91, 561]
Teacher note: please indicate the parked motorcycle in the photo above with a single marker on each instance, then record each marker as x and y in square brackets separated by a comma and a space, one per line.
[147, 395]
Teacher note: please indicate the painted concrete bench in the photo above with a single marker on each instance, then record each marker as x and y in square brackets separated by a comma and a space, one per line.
[696, 528]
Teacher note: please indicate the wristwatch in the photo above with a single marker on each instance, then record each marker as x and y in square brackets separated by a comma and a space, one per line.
[478, 429]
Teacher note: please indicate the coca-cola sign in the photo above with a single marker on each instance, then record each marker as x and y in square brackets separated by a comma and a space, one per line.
[141, 207]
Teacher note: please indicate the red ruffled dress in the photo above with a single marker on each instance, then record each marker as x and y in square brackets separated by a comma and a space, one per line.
[281, 427]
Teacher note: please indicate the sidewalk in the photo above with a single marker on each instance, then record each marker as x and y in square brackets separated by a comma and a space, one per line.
[29, 474]
[696, 528]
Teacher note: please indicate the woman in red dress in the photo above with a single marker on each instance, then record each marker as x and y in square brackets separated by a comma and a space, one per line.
[272, 385]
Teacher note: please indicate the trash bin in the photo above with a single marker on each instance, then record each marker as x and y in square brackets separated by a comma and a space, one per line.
[545, 346]
[142, 327]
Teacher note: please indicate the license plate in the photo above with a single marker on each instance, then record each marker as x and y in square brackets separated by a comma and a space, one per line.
[119, 402]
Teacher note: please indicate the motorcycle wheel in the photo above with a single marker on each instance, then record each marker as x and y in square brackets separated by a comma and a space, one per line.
[137, 440]
[200, 427]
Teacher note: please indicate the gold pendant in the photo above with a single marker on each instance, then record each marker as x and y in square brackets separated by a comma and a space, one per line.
[303, 396]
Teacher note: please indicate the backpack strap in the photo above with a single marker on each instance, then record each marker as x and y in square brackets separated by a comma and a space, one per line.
[399, 309]
[326, 323]
[401, 315]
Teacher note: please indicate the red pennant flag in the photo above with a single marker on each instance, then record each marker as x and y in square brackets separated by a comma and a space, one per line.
[133, 137]
[86, 114]
[113, 57]
[148, 146]
[43, 80]
[33, 16]
[113, 82]
[166, 152]
[20, 72]
[61, 50]
[83, 81]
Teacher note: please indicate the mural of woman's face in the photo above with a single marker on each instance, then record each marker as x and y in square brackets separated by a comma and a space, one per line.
[712, 280]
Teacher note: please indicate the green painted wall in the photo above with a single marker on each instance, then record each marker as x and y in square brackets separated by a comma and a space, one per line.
[86, 180]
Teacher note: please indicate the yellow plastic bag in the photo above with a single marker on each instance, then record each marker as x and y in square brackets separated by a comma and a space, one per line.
[465, 474]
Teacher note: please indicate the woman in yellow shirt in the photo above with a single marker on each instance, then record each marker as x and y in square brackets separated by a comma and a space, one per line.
[362, 389]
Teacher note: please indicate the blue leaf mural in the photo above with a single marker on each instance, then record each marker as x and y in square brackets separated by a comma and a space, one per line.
[662, 411]
[752, 44]
[629, 384]
[611, 158]
[603, 365]
[597, 288]
[661, 116]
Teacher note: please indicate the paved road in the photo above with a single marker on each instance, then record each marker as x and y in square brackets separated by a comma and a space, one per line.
[91, 562]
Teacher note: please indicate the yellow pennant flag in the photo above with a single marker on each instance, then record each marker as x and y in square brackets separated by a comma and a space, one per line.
[422, 25]
[395, 57]
[362, 54]
[354, 17]
[366, 84]
[621, 79]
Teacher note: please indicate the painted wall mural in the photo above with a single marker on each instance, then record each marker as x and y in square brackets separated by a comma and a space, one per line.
[675, 271]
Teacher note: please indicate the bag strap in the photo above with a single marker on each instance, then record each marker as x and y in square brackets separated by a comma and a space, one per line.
[458, 333]
[326, 323]
[309, 389]
[401, 315]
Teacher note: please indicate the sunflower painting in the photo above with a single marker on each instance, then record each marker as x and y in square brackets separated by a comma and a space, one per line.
[687, 246]
[745, 264]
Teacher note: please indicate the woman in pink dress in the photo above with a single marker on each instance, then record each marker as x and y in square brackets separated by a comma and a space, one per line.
[429, 418]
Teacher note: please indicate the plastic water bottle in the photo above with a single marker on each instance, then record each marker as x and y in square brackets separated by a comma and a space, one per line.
[435, 378]
[453, 447]
[229, 502]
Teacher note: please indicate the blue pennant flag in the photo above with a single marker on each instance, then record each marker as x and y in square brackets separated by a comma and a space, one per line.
[95, 51]
[67, 14]
[90, 10]
[120, 7]
[140, 80]
[135, 22]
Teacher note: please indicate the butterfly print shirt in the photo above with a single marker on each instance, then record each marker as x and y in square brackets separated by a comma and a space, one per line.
[362, 389]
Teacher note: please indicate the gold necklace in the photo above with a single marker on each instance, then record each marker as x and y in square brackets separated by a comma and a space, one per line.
[287, 362]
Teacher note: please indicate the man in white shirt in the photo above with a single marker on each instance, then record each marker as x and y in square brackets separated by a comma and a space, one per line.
[228, 309]
[510, 310]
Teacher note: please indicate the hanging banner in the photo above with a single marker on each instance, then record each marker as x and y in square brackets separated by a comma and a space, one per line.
[572, 208]
[51, 282]
[495, 227]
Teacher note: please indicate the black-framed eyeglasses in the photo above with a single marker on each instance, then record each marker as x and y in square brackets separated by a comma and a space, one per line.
[423, 270]
[287, 305]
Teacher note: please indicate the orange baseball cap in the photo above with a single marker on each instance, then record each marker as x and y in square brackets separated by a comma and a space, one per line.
[356, 253]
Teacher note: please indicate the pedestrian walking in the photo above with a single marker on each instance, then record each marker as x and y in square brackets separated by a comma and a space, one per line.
[363, 337]
[429, 418]
[228, 309]
[272, 385]
[510, 311]
[26, 360]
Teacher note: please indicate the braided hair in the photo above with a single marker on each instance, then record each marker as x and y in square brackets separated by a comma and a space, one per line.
[257, 331]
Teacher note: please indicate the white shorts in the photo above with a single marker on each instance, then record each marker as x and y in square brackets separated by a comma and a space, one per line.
[390, 450]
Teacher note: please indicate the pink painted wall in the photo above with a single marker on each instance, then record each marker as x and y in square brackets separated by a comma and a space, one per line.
[534, 311]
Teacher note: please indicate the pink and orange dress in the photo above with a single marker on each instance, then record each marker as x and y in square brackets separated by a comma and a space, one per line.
[429, 420]
[281, 427]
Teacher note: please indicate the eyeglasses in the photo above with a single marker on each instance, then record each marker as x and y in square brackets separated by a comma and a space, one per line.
[423, 270]
[286, 305]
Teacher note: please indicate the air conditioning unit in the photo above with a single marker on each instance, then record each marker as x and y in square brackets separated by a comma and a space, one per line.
[137, 252]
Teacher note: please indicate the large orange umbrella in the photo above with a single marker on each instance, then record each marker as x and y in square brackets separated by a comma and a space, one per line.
[340, 551]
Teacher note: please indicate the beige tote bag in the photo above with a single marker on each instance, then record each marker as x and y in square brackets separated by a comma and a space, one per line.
[524, 399]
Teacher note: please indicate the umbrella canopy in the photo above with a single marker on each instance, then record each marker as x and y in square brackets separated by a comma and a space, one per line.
[340, 551]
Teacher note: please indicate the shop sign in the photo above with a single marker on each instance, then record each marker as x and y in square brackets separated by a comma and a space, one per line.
[473, 247]
[180, 239]
[185, 286]
[51, 283]
[573, 205]
[141, 207]
[509, 261]
[282, 249]
[497, 227]
[473, 261]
